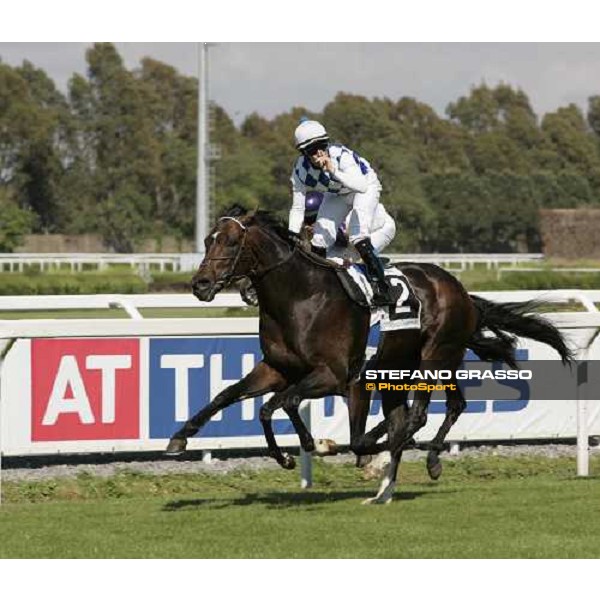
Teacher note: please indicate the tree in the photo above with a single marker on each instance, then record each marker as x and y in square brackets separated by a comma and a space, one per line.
[33, 119]
[438, 144]
[354, 120]
[125, 218]
[502, 128]
[567, 132]
[15, 222]
[593, 114]
[119, 151]
[171, 106]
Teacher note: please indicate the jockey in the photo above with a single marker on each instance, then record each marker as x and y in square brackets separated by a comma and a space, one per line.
[383, 227]
[384, 230]
[351, 188]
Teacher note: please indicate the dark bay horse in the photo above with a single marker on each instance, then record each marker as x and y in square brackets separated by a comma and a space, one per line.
[504, 322]
[313, 337]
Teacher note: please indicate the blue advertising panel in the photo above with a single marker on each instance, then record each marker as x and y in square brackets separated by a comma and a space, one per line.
[186, 373]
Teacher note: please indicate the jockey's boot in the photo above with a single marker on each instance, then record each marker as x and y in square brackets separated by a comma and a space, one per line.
[322, 252]
[381, 290]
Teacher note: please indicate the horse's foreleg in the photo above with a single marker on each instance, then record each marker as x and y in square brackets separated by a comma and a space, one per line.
[318, 383]
[259, 381]
[266, 413]
[291, 406]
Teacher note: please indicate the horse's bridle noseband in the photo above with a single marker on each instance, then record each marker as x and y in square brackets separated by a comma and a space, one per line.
[229, 275]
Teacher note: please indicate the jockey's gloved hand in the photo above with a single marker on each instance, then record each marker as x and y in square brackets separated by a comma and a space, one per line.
[248, 293]
[341, 239]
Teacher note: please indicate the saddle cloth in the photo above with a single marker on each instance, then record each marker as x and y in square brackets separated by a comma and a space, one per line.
[404, 313]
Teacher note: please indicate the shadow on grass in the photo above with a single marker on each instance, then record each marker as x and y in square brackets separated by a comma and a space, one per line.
[288, 500]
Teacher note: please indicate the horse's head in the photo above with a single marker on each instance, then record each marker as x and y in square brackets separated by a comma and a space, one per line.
[227, 256]
[241, 244]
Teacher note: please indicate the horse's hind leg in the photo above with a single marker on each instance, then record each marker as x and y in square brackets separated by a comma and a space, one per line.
[361, 443]
[395, 408]
[259, 381]
[396, 349]
[455, 405]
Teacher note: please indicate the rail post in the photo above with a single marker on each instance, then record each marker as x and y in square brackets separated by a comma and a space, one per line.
[305, 457]
[583, 458]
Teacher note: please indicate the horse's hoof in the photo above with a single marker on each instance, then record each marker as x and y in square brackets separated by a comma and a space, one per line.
[434, 467]
[288, 462]
[376, 500]
[176, 447]
[325, 448]
[363, 461]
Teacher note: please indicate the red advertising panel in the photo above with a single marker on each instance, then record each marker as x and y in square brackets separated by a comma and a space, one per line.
[85, 389]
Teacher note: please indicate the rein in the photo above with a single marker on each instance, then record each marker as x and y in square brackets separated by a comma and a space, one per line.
[229, 276]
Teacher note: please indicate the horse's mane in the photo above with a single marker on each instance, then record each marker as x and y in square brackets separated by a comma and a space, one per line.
[265, 219]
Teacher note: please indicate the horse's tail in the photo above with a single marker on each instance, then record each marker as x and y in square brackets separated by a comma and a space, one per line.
[507, 321]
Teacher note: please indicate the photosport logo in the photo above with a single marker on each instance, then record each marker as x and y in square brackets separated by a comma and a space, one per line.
[430, 377]
[486, 386]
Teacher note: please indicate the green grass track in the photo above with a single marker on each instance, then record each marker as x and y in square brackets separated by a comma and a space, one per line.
[481, 508]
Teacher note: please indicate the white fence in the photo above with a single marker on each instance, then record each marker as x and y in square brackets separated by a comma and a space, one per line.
[77, 261]
[64, 395]
[131, 303]
[468, 261]
[189, 262]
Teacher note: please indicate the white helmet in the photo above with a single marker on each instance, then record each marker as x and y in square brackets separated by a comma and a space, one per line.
[308, 133]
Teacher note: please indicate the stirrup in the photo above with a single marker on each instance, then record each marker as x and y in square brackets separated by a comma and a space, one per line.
[381, 297]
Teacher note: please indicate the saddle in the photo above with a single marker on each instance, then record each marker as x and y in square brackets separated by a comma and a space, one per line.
[404, 313]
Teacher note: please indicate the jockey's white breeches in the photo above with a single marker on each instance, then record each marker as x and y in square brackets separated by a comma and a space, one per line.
[360, 207]
[384, 229]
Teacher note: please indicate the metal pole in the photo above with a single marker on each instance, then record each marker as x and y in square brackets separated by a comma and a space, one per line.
[203, 158]
[2, 354]
[583, 456]
[305, 457]
[454, 448]
[5, 346]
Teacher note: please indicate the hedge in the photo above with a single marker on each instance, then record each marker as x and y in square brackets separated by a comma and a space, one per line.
[14, 284]
[34, 284]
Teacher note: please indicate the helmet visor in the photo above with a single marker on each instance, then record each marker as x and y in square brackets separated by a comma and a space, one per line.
[314, 147]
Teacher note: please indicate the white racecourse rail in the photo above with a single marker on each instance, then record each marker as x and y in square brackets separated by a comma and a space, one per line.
[188, 262]
[104, 385]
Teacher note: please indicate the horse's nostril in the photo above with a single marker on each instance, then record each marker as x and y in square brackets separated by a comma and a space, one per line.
[201, 283]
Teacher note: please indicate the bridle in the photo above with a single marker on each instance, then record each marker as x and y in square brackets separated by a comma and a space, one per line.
[230, 276]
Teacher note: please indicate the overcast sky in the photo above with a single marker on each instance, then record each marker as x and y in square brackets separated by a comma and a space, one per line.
[270, 78]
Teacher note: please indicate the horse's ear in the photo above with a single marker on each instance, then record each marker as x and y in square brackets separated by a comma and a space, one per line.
[252, 212]
[235, 210]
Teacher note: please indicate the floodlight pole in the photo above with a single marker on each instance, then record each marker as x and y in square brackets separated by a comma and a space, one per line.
[202, 184]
